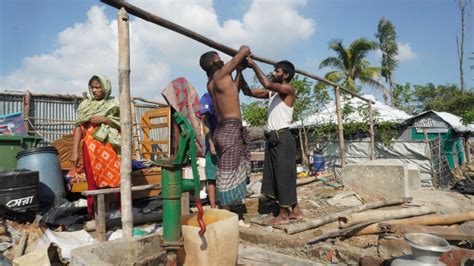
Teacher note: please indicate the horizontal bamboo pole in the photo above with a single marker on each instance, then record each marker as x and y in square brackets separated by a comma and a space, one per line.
[52, 95]
[434, 219]
[357, 218]
[310, 224]
[150, 17]
[161, 104]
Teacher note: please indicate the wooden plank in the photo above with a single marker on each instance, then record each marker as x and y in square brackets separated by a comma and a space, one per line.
[158, 142]
[115, 190]
[161, 125]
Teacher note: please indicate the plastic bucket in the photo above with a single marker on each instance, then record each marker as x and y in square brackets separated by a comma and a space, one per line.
[45, 161]
[318, 163]
[19, 189]
[220, 243]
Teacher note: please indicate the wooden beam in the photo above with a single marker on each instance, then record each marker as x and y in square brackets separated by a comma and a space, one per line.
[126, 124]
[150, 17]
[26, 109]
[372, 133]
[115, 190]
[340, 127]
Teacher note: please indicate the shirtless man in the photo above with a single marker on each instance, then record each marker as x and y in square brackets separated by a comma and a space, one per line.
[230, 137]
[279, 168]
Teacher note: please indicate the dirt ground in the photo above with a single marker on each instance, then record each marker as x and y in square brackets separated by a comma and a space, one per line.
[368, 249]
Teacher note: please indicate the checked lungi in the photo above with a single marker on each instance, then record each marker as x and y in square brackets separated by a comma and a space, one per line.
[233, 161]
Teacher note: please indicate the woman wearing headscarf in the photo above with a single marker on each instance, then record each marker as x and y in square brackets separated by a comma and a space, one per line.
[97, 128]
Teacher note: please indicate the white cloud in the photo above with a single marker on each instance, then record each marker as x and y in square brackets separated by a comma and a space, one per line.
[405, 53]
[157, 54]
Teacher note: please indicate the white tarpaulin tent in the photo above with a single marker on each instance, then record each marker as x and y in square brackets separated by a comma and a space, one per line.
[328, 113]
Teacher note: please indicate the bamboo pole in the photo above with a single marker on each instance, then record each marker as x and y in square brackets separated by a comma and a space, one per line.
[340, 127]
[372, 133]
[150, 17]
[434, 179]
[125, 121]
[300, 227]
[434, 219]
[149, 101]
[467, 149]
[136, 144]
[26, 109]
[357, 218]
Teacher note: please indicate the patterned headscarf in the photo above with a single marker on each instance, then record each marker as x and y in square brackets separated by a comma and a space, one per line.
[108, 106]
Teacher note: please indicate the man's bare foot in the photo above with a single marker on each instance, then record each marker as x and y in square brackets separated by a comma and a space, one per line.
[278, 221]
[297, 217]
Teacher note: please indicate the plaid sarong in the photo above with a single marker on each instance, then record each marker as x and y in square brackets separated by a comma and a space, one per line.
[233, 161]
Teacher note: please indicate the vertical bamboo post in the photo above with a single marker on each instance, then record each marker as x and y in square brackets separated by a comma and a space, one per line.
[434, 178]
[26, 109]
[372, 134]
[340, 127]
[125, 120]
[467, 149]
[136, 143]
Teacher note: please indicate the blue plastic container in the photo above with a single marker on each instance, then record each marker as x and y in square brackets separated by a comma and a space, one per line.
[318, 163]
[45, 161]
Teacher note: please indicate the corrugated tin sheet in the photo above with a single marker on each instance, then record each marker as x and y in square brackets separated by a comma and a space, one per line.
[52, 116]
[10, 103]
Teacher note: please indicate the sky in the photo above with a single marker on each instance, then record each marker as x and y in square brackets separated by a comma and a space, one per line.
[55, 46]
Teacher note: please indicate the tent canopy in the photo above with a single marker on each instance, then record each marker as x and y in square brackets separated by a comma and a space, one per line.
[328, 113]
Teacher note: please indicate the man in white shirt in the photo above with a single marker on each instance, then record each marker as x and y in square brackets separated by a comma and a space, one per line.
[279, 170]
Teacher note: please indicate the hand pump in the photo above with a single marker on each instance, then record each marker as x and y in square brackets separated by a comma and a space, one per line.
[173, 186]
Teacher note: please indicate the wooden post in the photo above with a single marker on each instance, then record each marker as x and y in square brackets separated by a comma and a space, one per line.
[26, 109]
[434, 178]
[100, 226]
[372, 134]
[125, 120]
[136, 143]
[467, 149]
[340, 127]
[304, 159]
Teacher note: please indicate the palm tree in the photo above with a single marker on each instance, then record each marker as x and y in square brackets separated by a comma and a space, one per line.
[350, 64]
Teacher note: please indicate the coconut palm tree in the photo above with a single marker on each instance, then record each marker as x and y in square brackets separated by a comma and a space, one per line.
[350, 64]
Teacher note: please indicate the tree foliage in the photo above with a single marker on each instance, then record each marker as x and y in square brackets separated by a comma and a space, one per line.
[387, 37]
[444, 98]
[403, 98]
[350, 64]
[255, 113]
[303, 105]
